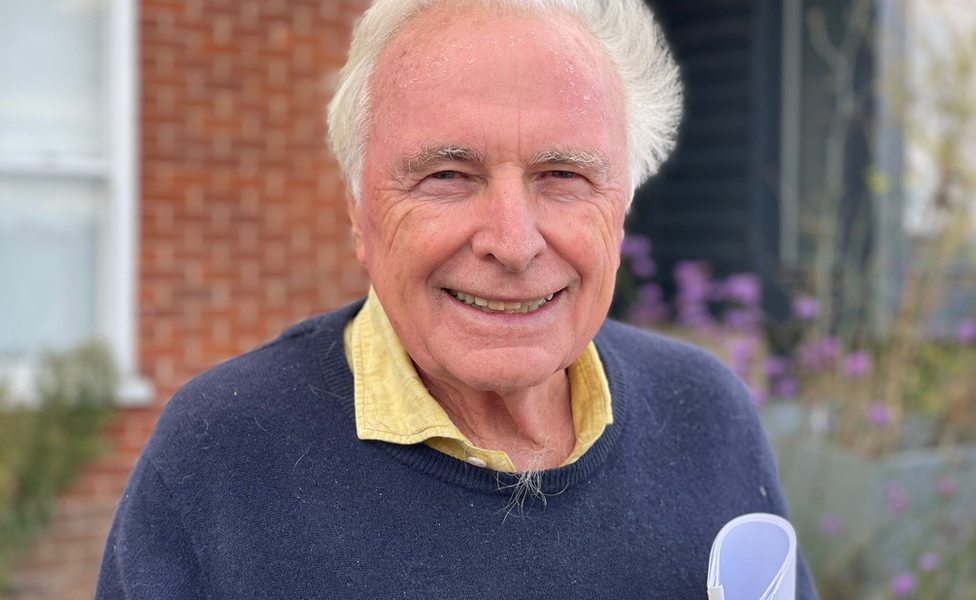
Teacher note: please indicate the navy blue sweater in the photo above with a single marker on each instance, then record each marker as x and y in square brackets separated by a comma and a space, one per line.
[254, 485]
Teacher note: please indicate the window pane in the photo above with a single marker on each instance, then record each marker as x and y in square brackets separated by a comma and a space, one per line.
[49, 244]
[52, 77]
[939, 219]
[941, 94]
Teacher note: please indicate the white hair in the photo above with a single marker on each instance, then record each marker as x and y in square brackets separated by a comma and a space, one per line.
[625, 29]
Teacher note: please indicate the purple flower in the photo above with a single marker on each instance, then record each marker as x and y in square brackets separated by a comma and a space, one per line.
[879, 415]
[650, 293]
[744, 319]
[829, 349]
[830, 524]
[694, 314]
[635, 245]
[897, 503]
[786, 387]
[744, 288]
[929, 562]
[810, 356]
[966, 332]
[947, 487]
[690, 269]
[776, 366]
[717, 292]
[760, 395]
[694, 286]
[806, 308]
[642, 266]
[741, 354]
[643, 315]
[857, 364]
[650, 307]
[903, 584]
[819, 354]
[692, 281]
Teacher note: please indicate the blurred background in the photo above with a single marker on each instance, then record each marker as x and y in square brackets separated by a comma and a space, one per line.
[167, 201]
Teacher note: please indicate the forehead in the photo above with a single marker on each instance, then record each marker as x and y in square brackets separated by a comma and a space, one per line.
[544, 66]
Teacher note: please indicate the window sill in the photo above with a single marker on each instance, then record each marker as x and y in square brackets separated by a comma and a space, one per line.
[132, 391]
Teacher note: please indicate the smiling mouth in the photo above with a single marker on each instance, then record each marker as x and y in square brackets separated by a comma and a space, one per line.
[499, 307]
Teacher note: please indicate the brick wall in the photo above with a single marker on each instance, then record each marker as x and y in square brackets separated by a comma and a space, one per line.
[243, 225]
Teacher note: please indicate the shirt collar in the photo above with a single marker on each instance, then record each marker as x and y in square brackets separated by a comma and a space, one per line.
[393, 405]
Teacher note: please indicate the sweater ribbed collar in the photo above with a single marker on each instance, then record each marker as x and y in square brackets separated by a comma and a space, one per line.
[339, 381]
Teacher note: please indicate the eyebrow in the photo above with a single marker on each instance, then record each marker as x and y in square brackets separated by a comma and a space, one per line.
[428, 156]
[431, 155]
[582, 159]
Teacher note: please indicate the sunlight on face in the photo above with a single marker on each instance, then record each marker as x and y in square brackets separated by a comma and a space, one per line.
[494, 194]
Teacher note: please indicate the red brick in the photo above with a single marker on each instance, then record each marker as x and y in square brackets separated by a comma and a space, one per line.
[243, 221]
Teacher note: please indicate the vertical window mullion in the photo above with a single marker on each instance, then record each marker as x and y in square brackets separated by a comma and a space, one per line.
[119, 314]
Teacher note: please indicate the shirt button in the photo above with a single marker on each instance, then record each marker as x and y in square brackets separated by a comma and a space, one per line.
[474, 460]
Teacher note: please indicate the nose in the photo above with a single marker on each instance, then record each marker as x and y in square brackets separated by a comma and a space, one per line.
[509, 228]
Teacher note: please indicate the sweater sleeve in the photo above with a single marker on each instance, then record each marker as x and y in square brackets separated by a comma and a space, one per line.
[149, 553]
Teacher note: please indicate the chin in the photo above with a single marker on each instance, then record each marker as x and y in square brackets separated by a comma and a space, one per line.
[507, 374]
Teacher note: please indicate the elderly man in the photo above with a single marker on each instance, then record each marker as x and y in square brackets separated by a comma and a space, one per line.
[474, 428]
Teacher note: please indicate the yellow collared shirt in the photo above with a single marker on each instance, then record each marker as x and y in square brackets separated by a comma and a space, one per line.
[393, 405]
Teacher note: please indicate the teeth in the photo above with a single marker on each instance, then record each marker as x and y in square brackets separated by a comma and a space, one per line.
[497, 306]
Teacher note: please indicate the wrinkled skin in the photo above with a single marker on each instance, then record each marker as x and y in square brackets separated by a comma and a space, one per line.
[496, 220]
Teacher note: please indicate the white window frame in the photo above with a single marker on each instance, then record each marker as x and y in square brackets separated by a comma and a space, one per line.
[116, 299]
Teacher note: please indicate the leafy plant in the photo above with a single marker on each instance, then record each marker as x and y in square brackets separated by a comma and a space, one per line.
[840, 389]
[45, 444]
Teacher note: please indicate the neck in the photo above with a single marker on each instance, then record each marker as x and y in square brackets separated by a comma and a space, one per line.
[533, 426]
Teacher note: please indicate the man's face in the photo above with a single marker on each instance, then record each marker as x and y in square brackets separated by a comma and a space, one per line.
[495, 170]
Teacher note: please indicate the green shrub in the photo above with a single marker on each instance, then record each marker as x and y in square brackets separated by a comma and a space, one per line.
[44, 444]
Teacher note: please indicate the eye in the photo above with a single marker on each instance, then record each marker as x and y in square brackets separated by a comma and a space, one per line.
[446, 183]
[564, 184]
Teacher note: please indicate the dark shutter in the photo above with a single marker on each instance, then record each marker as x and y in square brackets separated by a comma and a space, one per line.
[714, 199]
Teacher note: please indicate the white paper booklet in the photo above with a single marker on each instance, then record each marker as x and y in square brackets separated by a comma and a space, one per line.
[753, 558]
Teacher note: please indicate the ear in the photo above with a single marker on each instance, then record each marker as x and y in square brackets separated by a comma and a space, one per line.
[357, 230]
